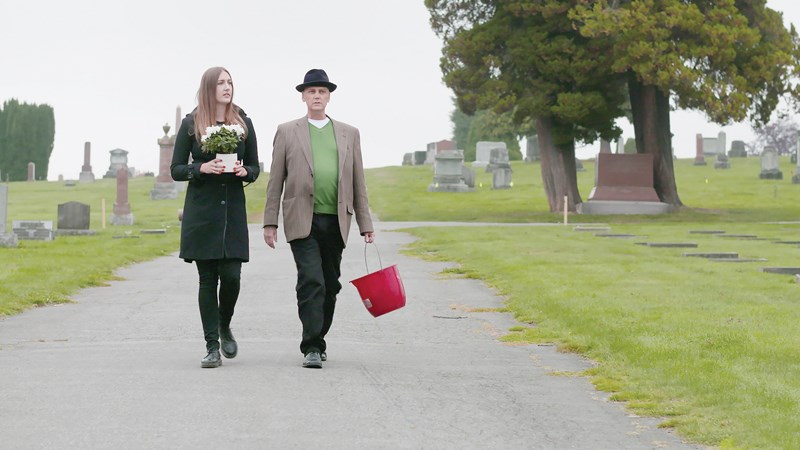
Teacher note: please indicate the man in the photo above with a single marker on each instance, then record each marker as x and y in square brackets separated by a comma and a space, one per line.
[317, 167]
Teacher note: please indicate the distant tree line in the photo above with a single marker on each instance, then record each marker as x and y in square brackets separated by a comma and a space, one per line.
[27, 132]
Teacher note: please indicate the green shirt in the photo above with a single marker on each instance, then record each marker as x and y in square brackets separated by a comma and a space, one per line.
[326, 169]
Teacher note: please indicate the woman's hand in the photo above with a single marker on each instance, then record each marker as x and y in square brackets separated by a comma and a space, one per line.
[213, 167]
[239, 170]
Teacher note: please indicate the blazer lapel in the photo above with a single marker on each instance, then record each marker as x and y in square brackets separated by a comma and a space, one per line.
[303, 138]
[341, 144]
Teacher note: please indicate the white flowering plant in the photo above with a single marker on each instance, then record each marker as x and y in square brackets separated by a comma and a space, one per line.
[222, 138]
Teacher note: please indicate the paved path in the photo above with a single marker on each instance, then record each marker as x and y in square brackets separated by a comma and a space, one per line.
[120, 368]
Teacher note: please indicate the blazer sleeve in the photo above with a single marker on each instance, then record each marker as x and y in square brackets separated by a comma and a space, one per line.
[360, 201]
[277, 176]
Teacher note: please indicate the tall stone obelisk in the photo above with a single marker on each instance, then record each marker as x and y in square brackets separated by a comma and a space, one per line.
[86, 175]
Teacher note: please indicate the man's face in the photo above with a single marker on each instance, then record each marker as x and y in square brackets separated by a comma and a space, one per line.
[316, 98]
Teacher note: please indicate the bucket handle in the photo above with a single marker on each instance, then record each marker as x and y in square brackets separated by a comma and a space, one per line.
[365, 256]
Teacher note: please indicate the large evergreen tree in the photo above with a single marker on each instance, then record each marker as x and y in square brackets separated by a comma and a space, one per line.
[26, 135]
[526, 57]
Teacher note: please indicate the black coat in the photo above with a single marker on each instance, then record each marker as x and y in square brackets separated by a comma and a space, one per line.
[214, 224]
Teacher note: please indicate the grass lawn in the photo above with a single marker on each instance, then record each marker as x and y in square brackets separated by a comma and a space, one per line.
[711, 346]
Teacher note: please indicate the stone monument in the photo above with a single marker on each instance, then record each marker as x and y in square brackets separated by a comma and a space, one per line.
[448, 172]
[6, 240]
[770, 164]
[31, 171]
[483, 152]
[435, 147]
[74, 219]
[86, 175]
[721, 161]
[501, 169]
[699, 160]
[796, 176]
[33, 230]
[119, 159]
[738, 150]
[624, 186]
[122, 209]
[164, 187]
[605, 146]
[532, 149]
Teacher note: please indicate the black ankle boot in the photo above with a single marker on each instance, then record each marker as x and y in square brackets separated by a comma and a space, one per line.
[227, 343]
[211, 360]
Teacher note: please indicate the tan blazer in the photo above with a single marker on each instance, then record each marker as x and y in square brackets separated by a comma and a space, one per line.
[292, 176]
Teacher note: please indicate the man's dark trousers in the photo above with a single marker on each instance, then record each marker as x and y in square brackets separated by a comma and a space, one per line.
[318, 258]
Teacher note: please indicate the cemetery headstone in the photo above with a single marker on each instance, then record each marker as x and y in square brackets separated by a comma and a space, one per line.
[74, 219]
[447, 172]
[624, 186]
[579, 165]
[699, 160]
[31, 171]
[122, 209]
[605, 146]
[408, 159]
[468, 175]
[500, 168]
[620, 146]
[721, 161]
[33, 230]
[497, 156]
[770, 167]
[420, 158]
[722, 142]
[119, 159]
[434, 147]
[532, 149]
[164, 187]
[796, 176]
[738, 150]
[709, 146]
[483, 152]
[86, 175]
[6, 240]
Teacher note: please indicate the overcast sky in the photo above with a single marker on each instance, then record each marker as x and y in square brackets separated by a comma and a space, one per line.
[115, 71]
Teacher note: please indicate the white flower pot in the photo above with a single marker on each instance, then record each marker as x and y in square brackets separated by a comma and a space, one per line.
[228, 160]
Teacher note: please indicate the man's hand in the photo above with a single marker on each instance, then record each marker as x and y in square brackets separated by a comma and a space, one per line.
[369, 237]
[271, 236]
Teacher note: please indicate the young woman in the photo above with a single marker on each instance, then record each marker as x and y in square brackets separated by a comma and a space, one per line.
[214, 224]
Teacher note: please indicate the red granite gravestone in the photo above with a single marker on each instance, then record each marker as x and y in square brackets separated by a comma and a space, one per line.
[122, 209]
[699, 159]
[624, 178]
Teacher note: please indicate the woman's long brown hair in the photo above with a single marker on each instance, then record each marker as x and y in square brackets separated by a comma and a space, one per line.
[205, 113]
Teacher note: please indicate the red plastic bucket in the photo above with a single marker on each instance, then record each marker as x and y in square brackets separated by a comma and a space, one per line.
[381, 291]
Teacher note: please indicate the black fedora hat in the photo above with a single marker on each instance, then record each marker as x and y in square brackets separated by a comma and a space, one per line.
[316, 77]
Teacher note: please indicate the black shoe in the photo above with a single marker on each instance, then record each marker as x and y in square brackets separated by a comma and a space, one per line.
[211, 360]
[323, 356]
[312, 360]
[228, 343]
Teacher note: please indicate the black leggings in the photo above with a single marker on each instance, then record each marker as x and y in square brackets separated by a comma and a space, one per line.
[215, 313]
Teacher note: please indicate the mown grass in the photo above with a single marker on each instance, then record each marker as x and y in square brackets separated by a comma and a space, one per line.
[710, 346]
[733, 195]
[40, 273]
